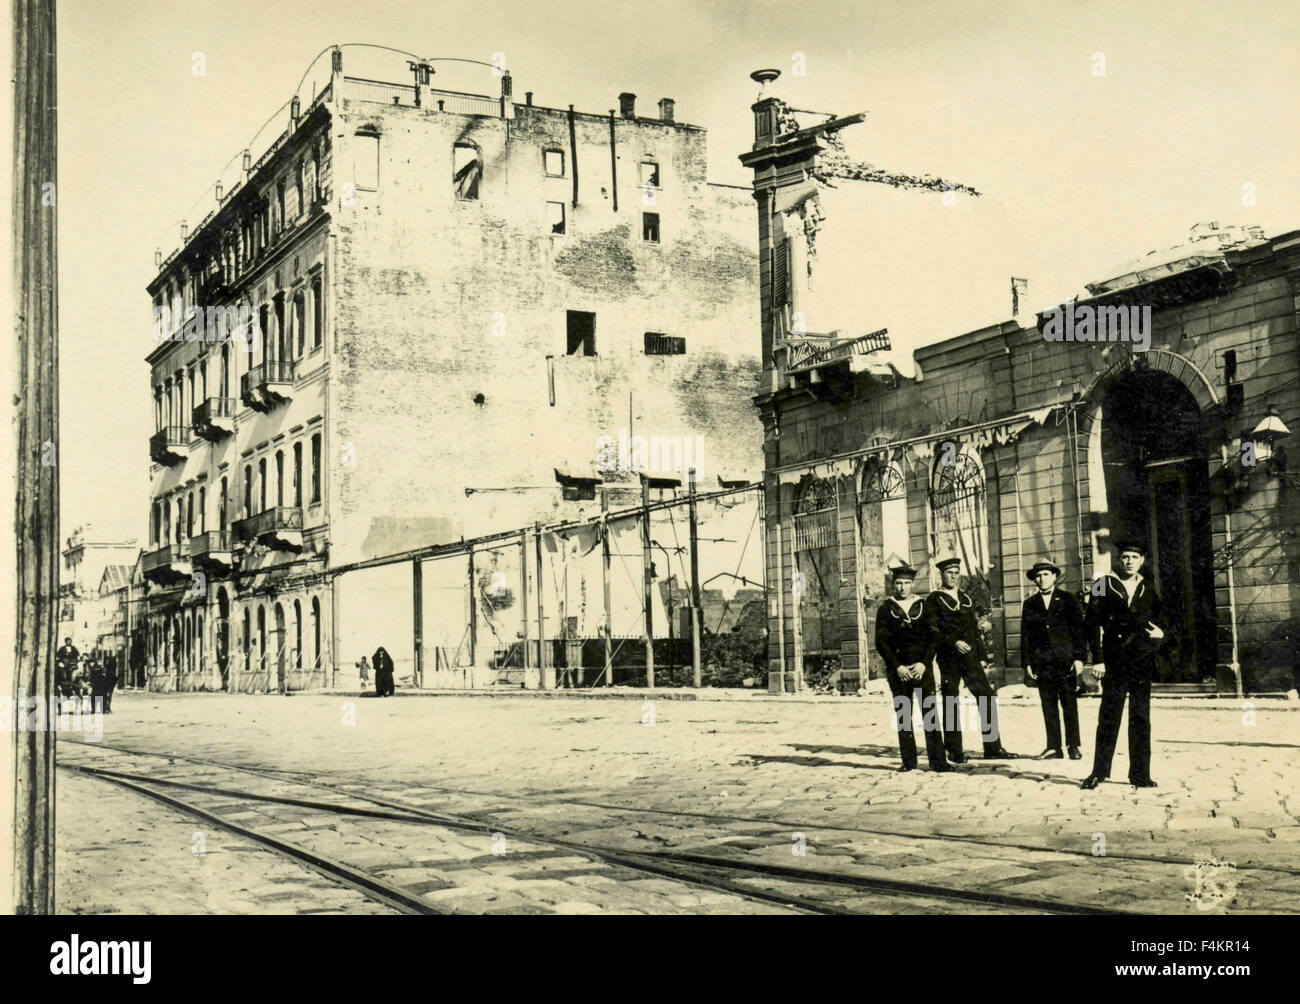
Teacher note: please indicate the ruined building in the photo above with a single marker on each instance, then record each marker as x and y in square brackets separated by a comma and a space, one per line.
[1007, 446]
[436, 310]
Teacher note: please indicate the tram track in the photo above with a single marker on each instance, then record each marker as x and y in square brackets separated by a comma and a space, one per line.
[725, 874]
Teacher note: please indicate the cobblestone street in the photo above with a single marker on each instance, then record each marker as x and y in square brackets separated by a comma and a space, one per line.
[767, 783]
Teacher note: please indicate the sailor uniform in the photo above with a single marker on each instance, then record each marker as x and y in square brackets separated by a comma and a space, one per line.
[1117, 622]
[903, 639]
[953, 619]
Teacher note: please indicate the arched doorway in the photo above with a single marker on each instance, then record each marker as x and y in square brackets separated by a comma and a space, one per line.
[281, 663]
[1154, 449]
[223, 638]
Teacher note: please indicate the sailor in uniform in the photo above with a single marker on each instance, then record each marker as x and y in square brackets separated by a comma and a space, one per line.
[960, 648]
[1124, 619]
[904, 642]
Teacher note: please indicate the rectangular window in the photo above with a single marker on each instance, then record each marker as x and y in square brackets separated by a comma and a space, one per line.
[649, 174]
[554, 163]
[657, 344]
[297, 475]
[279, 479]
[315, 468]
[555, 217]
[261, 477]
[366, 166]
[279, 205]
[582, 333]
[650, 228]
[466, 170]
[248, 489]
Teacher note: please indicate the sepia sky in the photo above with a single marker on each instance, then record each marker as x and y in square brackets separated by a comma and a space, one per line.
[1080, 172]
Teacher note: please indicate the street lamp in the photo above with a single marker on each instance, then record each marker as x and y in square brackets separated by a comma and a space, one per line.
[1265, 436]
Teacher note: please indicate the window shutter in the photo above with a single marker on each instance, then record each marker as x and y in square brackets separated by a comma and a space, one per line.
[781, 274]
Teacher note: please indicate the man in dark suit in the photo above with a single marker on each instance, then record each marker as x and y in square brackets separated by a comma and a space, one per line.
[961, 650]
[1052, 642]
[1124, 618]
[904, 642]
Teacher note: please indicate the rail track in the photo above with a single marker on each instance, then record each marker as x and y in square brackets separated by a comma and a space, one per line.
[803, 889]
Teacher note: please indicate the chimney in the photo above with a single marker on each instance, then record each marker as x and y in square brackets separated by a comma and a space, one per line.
[627, 105]
[666, 109]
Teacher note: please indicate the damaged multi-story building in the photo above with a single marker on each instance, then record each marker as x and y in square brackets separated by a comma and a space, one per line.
[434, 312]
[1010, 443]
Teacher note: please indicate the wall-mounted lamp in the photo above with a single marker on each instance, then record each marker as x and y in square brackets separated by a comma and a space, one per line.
[1266, 435]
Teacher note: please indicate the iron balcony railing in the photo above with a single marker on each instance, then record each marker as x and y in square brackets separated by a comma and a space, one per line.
[212, 542]
[267, 523]
[215, 417]
[382, 92]
[165, 444]
[162, 558]
[271, 371]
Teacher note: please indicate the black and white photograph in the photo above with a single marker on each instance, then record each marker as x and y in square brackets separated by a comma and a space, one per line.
[592, 459]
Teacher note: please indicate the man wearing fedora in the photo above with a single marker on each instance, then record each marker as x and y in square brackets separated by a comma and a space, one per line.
[904, 642]
[960, 649]
[1052, 643]
[1124, 617]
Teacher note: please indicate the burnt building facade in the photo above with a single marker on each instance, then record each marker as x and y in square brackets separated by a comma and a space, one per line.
[420, 316]
[1008, 445]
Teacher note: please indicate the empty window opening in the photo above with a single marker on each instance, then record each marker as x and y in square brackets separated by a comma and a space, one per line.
[1230, 366]
[582, 333]
[555, 217]
[467, 169]
[650, 228]
[554, 163]
[366, 166]
[649, 174]
[658, 344]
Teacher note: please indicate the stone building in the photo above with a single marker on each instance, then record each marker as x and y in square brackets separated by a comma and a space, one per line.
[1008, 445]
[416, 318]
[86, 559]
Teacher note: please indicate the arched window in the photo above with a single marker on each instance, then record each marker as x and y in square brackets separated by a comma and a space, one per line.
[248, 489]
[300, 320]
[466, 170]
[261, 478]
[203, 510]
[261, 638]
[248, 641]
[279, 478]
[297, 626]
[315, 632]
[297, 475]
[222, 511]
[958, 508]
[317, 312]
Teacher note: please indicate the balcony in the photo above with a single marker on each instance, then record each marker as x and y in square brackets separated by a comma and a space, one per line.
[212, 552]
[280, 528]
[267, 384]
[215, 418]
[165, 566]
[169, 445]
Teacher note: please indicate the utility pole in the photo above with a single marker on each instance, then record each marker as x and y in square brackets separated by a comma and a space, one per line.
[417, 618]
[542, 661]
[697, 675]
[33, 507]
[649, 583]
[473, 615]
[523, 605]
[609, 617]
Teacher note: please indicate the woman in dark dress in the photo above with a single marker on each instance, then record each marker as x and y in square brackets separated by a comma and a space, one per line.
[383, 666]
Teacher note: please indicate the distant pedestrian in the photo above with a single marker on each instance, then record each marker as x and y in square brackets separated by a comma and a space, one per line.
[110, 681]
[65, 663]
[383, 664]
[363, 668]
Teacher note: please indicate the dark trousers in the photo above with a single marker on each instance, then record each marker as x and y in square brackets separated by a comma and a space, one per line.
[954, 670]
[1118, 684]
[1056, 689]
[916, 695]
